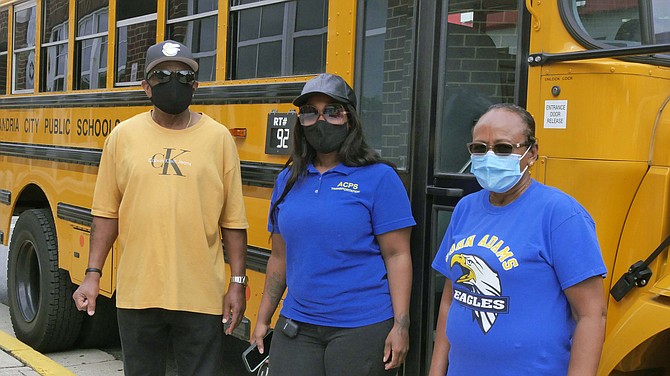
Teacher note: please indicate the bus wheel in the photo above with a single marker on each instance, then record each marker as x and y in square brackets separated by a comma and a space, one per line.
[40, 293]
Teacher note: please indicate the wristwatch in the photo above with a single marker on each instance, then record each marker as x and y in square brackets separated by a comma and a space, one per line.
[241, 279]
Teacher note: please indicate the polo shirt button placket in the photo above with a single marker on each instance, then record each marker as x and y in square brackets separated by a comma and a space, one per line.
[319, 185]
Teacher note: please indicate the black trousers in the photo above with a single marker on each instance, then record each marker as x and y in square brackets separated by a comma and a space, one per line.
[197, 340]
[328, 351]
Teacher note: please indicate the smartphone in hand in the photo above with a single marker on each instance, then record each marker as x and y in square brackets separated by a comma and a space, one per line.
[252, 358]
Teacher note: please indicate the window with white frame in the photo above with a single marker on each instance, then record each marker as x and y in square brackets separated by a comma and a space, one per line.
[135, 33]
[53, 69]
[23, 62]
[194, 23]
[91, 44]
[278, 37]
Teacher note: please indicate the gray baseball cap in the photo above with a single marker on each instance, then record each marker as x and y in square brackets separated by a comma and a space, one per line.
[169, 50]
[329, 84]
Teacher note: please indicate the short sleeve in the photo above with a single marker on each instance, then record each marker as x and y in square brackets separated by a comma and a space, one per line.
[233, 214]
[107, 195]
[280, 183]
[575, 251]
[391, 209]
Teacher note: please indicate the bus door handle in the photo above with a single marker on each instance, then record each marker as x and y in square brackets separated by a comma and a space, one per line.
[444, 192]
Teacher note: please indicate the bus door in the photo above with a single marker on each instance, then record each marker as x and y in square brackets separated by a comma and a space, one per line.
[482, 52]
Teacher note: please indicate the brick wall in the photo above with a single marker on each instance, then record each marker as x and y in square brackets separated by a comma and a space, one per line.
[397, 85]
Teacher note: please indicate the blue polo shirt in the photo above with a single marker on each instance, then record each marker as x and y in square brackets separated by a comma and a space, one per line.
[335, 272]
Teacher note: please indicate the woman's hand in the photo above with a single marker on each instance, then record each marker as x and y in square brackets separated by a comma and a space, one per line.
[397, 345]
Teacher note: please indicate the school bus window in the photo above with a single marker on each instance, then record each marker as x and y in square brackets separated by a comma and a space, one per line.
[194, 23]
[91, 44]
[54, 45]
[23, 66]
[311, 29]
[4, 29]
[135, 32]
[618, 23]
[279, 39]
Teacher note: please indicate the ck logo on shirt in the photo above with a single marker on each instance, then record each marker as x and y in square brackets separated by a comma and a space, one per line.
[346, 186]
[478, 289]
[168, 161]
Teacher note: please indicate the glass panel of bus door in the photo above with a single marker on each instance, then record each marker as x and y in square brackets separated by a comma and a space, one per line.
[479, 66]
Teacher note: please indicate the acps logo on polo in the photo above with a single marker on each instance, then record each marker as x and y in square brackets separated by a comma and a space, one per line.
[170, 49]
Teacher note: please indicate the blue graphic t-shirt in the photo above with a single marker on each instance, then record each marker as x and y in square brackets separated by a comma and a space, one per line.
[335, 272]
[509, 266]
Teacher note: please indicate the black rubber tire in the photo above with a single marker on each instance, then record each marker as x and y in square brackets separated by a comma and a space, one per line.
[40, 293]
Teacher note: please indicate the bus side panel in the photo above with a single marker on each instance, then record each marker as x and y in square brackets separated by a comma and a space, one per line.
[605, 188]
[641, 314]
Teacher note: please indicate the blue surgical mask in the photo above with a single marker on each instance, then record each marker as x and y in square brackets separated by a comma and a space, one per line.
[497, 173]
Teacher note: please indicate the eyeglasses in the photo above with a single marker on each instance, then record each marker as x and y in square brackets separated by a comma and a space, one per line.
[163, 76]
[333, 113]
[501, 148]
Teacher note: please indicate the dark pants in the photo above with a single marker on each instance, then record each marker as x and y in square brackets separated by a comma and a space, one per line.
[328, 351]
[197, 340]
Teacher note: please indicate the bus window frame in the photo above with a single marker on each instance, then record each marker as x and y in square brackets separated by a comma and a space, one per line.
[124, 23]
[573, 26]
[79, 69]
[195, 17]
[18, 8]
[288, 37]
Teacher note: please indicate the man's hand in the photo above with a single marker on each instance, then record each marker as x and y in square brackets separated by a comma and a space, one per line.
[86, 294]
[234, 305]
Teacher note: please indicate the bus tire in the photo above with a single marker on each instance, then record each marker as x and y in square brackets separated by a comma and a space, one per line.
[41, 308]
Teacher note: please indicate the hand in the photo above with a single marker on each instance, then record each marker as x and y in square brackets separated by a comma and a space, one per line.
[396, 347]
[85, 295]
[234, 305]
[257, 336]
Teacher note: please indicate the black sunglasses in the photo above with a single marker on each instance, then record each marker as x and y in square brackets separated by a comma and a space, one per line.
[501, 148]
[163, 76]
[333, 113]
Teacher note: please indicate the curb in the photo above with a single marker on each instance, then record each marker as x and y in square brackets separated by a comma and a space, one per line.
[31, 358]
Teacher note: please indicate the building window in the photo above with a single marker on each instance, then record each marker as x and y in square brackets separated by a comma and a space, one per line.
[136, 32]
[54, 45]
[278, 38]
[91, 44]
[4, 29]
[23, 66]
[194, 23]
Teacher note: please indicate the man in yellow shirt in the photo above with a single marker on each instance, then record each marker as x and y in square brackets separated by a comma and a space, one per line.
[169, 188]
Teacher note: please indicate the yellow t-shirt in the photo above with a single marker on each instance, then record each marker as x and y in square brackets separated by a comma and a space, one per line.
[171, 190]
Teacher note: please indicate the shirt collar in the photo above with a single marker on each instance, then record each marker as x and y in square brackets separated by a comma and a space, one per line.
[340, 168]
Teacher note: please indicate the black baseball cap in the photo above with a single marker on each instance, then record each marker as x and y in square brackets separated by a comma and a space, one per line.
[329, 84]
[169, 50]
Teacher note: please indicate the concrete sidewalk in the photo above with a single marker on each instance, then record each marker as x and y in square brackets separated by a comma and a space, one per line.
[17, 358]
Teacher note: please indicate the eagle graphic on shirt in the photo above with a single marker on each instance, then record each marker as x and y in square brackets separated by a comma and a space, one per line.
[484, 293]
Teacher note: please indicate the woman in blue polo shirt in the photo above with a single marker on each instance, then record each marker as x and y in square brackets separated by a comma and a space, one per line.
[340, 221]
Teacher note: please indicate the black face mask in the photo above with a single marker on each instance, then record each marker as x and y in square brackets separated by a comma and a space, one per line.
[325, 137]
[172, 97]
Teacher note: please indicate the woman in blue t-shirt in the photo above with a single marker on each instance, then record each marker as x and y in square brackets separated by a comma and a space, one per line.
[340, 221]
[524, 292]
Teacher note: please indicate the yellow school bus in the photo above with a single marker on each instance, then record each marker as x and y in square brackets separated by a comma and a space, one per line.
[595, 74]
